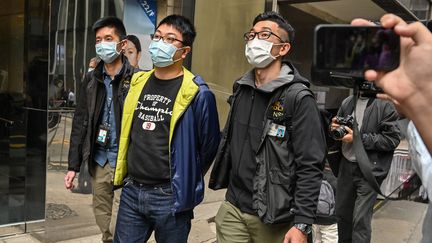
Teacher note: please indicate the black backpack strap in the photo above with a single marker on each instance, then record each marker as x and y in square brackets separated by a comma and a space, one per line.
[361, 155]
[293, 93]
[363, 160]
[349, 109]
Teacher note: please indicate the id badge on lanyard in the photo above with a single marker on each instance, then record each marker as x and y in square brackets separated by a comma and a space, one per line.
[103, 135]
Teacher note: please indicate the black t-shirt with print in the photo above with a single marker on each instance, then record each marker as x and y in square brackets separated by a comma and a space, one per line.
[148, 154]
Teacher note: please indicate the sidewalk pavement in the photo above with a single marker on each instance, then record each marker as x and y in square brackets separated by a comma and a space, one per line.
[70, 216]
[202, 230]
[395, 222]
[399, 222]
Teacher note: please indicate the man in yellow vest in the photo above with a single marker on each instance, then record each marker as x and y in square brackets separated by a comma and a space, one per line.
[169, 137]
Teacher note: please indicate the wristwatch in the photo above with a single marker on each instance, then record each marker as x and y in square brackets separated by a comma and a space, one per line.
[304, 228]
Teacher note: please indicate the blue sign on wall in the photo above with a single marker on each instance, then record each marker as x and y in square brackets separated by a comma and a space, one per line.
[149, 7]
[140, 16]
[140, 20]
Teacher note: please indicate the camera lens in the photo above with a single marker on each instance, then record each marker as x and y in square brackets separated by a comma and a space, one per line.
[338, 133]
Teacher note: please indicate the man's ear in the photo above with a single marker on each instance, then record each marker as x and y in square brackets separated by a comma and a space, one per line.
[186, 51]
[285, 48]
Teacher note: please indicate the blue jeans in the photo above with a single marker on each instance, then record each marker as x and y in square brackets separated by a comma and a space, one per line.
[144, 209]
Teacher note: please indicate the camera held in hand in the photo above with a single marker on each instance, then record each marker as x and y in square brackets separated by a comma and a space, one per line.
[340, 132]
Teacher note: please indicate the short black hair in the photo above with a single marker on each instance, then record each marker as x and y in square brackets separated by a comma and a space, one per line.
[112, 22]
[183, 25]
[135, 41]
[278, 19]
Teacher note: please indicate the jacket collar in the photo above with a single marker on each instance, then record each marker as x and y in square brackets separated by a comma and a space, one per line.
[188, 89]
[125, 71]
[288, 74]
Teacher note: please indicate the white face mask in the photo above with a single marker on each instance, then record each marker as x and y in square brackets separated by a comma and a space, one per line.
[258, 52]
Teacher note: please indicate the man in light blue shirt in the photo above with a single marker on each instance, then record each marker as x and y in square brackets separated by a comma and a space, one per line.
[96, 123]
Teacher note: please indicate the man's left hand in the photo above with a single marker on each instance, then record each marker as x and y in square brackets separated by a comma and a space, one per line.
[294, 235]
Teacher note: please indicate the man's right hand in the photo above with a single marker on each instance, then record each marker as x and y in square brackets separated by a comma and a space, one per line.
[70, 176]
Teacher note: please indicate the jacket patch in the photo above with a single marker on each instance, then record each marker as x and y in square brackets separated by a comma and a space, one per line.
[277, 112]
[277, 115]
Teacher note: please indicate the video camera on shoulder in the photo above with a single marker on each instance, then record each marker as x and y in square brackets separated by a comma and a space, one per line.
[341, 131]
[342, 53]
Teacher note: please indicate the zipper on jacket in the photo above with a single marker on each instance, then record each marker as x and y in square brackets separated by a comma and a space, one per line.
[121, 100]
[266, 124]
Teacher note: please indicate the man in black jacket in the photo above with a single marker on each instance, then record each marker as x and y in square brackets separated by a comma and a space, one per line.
[380, 136]
[96, 124]
[272, 169]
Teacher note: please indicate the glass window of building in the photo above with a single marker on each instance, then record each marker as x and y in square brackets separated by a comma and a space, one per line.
[23, 91]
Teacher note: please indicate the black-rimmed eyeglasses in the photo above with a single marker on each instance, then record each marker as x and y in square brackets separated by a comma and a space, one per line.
[262, 35]
[167, 39]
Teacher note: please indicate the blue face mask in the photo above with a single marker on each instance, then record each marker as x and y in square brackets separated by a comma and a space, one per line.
[162, 53]
[107, 51]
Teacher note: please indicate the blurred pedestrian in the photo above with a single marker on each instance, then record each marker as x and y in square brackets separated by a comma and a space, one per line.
[71, 98]
[93, 63]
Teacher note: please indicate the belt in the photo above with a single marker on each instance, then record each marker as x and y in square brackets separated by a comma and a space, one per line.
[146, 186]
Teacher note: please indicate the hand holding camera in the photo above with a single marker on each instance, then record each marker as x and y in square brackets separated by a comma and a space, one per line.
[341, 128]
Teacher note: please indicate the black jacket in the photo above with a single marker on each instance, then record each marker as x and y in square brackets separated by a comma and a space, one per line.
[287, 179]
[90, 103]
[380, 133]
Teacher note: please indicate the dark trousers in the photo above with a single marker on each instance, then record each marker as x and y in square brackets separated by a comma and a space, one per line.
[355, 199]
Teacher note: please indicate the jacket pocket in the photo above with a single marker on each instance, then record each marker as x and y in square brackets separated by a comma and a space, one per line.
[274, 183]
[279, 178]
[279, 198]
[380, 166]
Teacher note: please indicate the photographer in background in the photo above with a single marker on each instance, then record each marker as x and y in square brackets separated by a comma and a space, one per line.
[380, 135]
